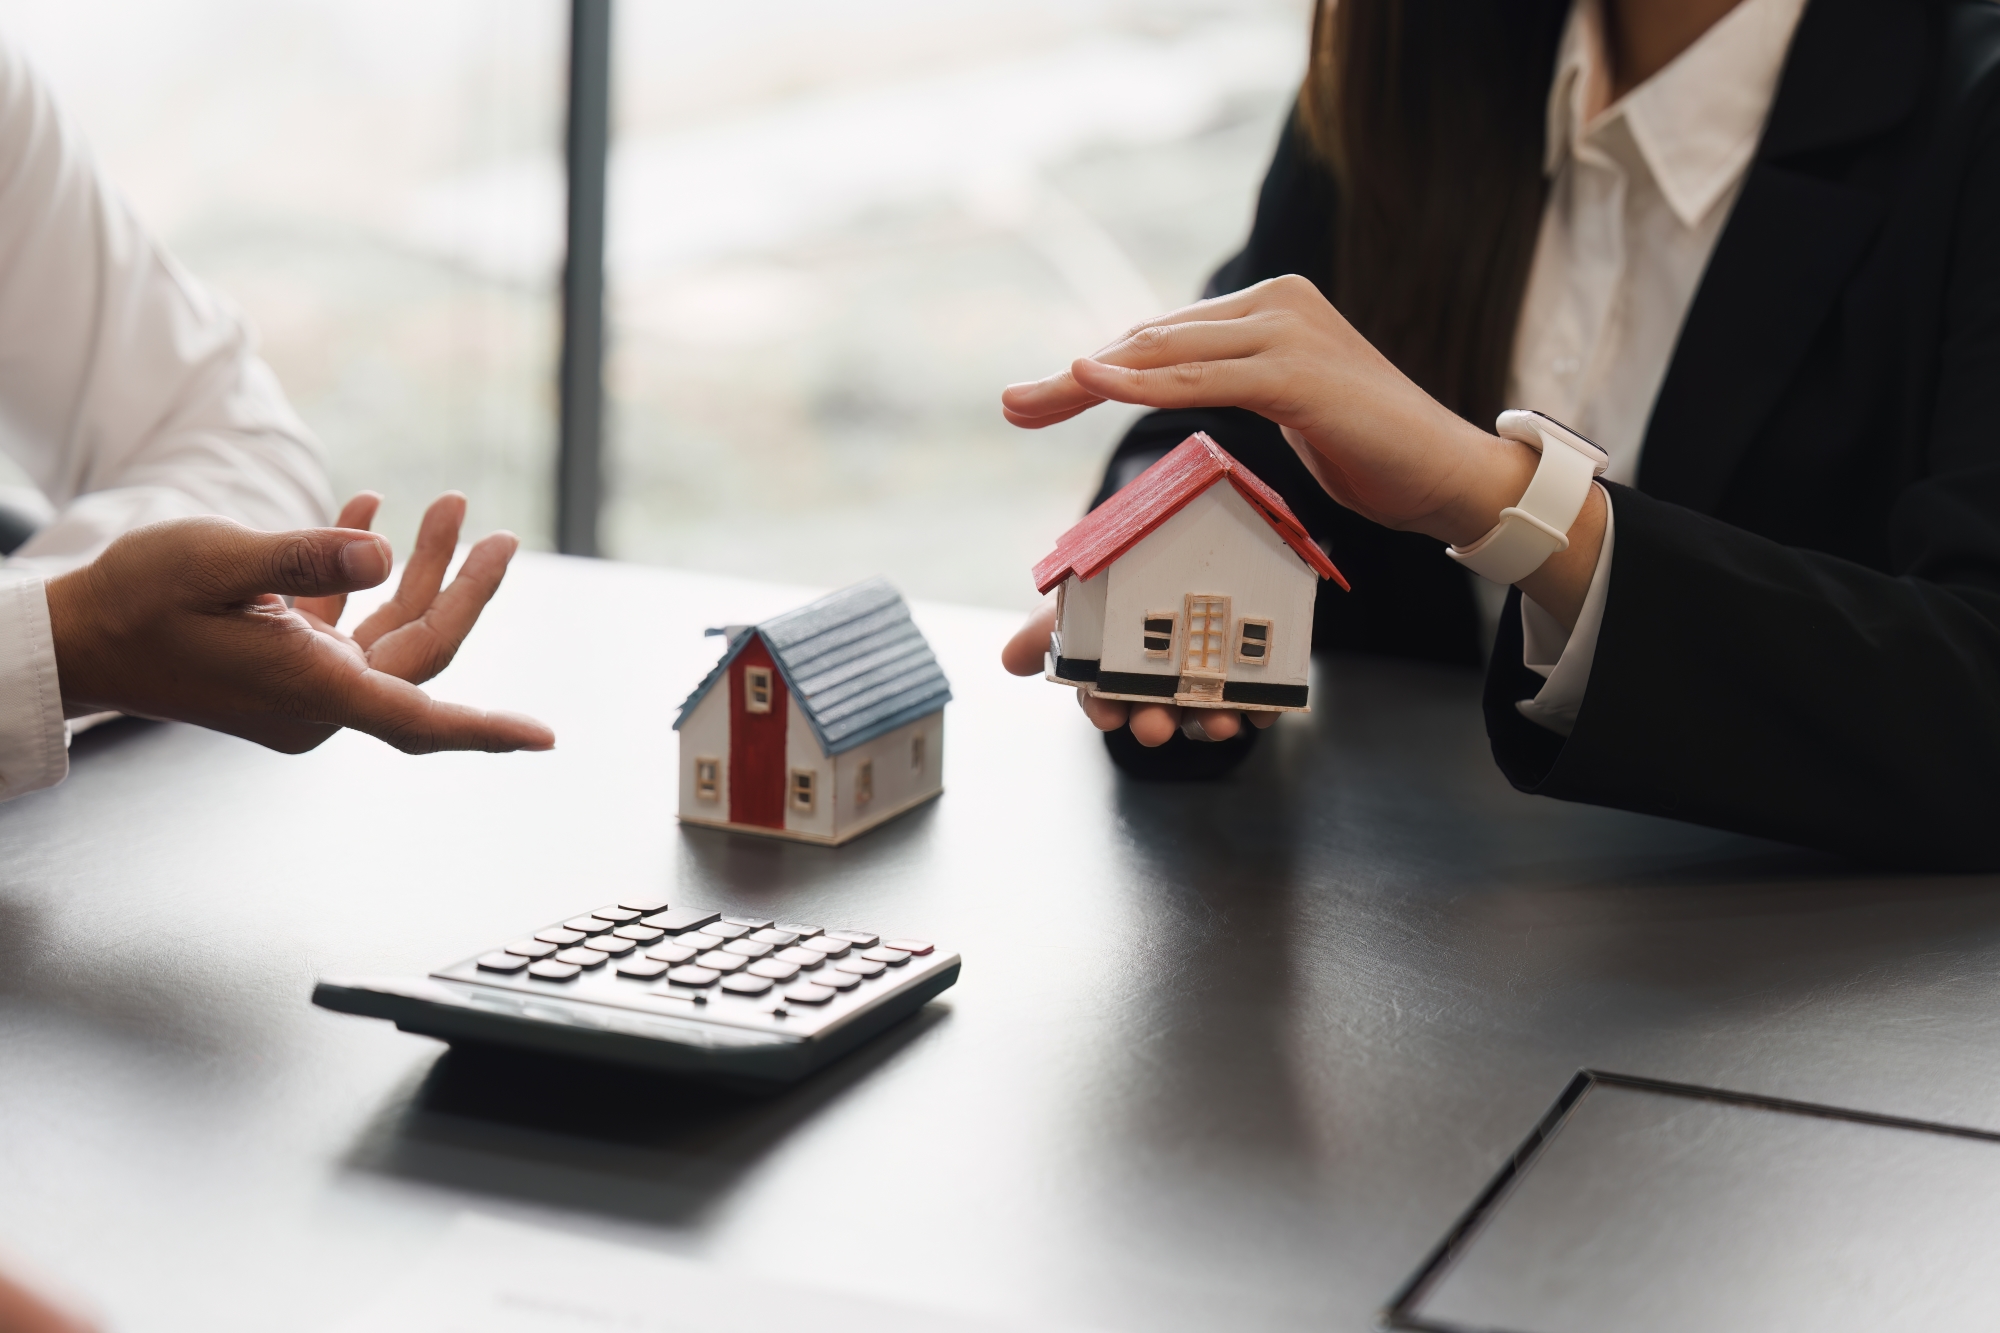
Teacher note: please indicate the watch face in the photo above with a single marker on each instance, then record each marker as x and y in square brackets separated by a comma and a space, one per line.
[1576, 437]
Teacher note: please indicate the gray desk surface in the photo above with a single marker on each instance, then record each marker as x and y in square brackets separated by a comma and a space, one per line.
[1225, 1056]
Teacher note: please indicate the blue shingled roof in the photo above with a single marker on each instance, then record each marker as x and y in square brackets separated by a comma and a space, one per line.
[853, 659]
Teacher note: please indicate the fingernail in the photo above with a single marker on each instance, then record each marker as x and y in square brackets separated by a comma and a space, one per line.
[364, 560]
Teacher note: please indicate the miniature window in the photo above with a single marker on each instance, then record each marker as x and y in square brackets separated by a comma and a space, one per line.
[756, 689]
[1253, 641]
[917, 753]
[864, 782]
[805, 790]
[708, 779]
[1159, 637]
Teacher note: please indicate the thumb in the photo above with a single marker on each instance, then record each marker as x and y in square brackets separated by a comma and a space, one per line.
[241, 562]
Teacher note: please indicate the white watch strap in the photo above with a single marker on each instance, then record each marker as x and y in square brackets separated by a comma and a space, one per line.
[1536, 527]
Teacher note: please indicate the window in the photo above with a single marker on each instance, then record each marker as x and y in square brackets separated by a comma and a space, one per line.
[756, 689]
[1159, 638]
[1253, 641]
[917, 753]
[864, 782]
[805, 791]
[708, 779]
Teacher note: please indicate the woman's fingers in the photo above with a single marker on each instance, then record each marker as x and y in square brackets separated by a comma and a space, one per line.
[1024, 652]
[1044, 402]
[437, 539]
[1154, 724]
[1104, 714]
[1242, 382]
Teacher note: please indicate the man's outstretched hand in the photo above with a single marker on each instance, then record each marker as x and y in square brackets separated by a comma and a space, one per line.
[186, 620]
[1152, 724]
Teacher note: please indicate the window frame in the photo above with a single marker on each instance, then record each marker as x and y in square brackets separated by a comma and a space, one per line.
[918, 747]
[1243, 640]
[1147, 633]
[708, 788]
[864, 781]
[756, 681]
[810, 788]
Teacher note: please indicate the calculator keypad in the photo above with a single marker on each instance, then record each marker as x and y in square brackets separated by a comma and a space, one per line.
[641, 953]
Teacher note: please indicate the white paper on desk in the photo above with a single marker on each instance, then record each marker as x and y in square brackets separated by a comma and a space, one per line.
[492, 1276]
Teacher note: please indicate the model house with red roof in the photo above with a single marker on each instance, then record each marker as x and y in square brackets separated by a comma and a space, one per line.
[1192, 585]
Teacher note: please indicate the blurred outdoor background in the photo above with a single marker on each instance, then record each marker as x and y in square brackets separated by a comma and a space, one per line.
[837, 229]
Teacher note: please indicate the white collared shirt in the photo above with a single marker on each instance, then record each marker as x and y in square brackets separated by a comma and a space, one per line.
[128, 393]
[1639, 191]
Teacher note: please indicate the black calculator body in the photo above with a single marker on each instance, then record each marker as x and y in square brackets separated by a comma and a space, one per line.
[732, 999]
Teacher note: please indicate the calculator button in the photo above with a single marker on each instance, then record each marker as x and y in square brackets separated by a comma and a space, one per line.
[589, 925]
[693, 976]
[558, 936]
[643, 903]
[860, 939]
[746, 985]
[617, 915]
[645, 969]
[700, 941]
[671, 952]
[893, 957]
[582, 957]
[747, 948]
[681, 919]
[772, 968]
[722, 962]
[805, 958]
[917, 947]
[506, 962]
[612, 945]
[639, 934]
[726, 929]
[810, 994]
[531, 948]
[748, 922]
[837, 980]
[827, 944]
[550, 970]
[795, 928]
[858, 967]
[776, 937]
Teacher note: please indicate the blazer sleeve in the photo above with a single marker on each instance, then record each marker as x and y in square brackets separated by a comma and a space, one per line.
[1791, 694]
[1408, 599]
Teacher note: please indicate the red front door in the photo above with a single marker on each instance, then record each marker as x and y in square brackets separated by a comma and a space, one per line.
[758, 711]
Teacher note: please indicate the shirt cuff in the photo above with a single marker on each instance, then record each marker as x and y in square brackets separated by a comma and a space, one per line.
[1563, 659]
[34, 745]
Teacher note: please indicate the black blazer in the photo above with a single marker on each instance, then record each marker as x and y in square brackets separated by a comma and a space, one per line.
[1802, 633]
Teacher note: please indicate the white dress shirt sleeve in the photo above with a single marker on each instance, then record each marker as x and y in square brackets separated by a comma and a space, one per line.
[128, 393]
[1562, 659]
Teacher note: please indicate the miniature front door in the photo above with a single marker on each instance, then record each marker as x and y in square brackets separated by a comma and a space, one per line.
[758, 712]
[1202, 662]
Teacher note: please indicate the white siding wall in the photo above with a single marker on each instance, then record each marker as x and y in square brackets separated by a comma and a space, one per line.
[705, 734]
[1218, 544]
[1082, 622]
[898, 785]
[802, 751]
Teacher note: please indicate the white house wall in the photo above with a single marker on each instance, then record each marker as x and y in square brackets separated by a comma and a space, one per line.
[705, 735]
[1081, 626]
[1217, 544]
[802, 751]
[898, 783]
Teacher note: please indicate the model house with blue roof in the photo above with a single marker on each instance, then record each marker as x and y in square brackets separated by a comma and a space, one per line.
[817, 724]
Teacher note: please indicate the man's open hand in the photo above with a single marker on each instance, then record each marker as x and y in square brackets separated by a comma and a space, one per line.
[186, 620]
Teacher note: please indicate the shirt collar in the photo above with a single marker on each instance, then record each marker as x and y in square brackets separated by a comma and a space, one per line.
[1697, 121]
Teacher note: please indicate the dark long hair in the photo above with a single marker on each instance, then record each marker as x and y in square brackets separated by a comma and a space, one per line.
[1431, 114]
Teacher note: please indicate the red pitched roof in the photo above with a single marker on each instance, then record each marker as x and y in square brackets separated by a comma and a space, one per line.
[1156, 495]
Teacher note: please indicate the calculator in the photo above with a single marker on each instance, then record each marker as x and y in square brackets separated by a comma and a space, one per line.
[682, 990]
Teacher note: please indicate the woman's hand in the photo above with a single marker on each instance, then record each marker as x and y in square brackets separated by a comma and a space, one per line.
[1152, 724]
[1380, 445]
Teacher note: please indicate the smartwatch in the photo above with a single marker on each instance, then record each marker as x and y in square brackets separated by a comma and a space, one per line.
[1536, 527]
